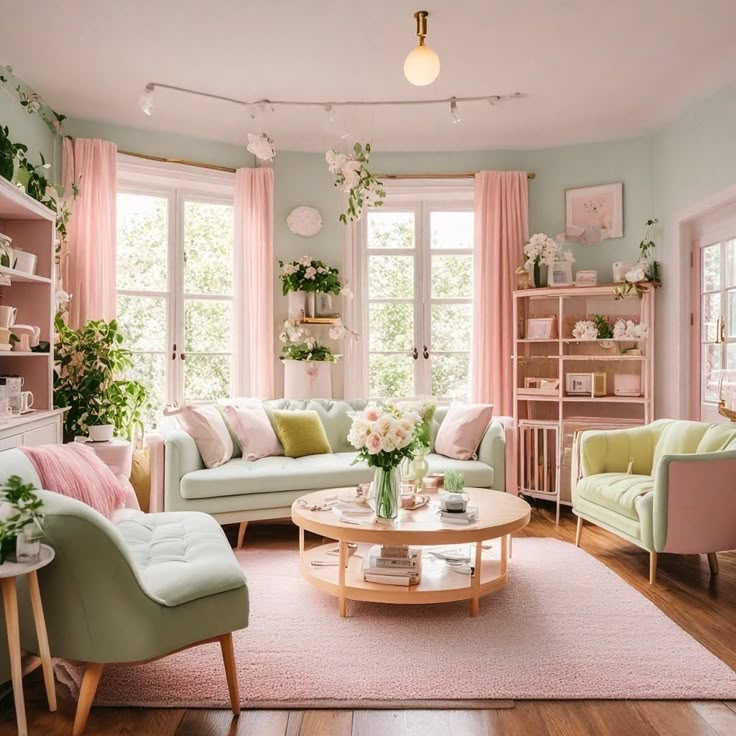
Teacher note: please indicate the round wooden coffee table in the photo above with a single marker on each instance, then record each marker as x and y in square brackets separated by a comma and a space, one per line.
[500, 514]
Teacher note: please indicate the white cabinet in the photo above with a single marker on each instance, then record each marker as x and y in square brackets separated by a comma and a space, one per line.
[31, 430]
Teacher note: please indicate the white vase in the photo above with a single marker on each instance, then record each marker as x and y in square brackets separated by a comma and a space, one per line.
[297, 305]
[311, 310]
[307, 379]
[101, 432]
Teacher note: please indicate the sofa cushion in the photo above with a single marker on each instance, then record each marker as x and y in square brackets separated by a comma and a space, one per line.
[276, 474]
[312, 472]
[617, 492]
[301, 433]
[181, 556]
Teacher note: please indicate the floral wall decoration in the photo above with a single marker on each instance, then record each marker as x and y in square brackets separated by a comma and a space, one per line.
[261, 146]
[29, 100]
[353, 177]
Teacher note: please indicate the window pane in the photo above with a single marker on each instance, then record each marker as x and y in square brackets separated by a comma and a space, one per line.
[711, 267]
[391, 277]
[207, 377]
[451, 229]
[391, 327]
[452, 276]
[207, 326]
[711, 313]
[390, 376]
[142, 242]
[730, 362]
[731, 313]
[451, 326]
[731, 263]
[712, 357]
[150, 370]
[142, 321]
[450, 376]
[208, 248]
[390, 229]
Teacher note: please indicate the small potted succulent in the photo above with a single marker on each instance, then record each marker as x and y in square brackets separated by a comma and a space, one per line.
[453, 498]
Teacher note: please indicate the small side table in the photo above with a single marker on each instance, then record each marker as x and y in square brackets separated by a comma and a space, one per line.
[9, 571]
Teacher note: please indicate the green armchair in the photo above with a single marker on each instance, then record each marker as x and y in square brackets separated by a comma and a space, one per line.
[666, 487]
[132, 591]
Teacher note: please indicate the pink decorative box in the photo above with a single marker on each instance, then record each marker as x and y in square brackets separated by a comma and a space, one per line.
[626, 384]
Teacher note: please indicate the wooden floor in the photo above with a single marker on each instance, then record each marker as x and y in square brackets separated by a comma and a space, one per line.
[685, 591]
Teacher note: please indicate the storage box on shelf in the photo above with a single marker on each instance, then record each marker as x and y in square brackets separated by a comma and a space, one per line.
[31, 226]
[563, 385]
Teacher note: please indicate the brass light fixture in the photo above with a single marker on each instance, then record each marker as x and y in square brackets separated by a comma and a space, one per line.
[422, 65]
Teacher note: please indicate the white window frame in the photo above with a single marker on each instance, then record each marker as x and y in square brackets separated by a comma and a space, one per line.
[179, 183]
[422, 198]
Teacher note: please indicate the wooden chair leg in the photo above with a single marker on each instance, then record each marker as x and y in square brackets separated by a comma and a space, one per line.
[652, 568]
[713, 563]
[579, 531]
[90, 680]
[228, 657]
[241, 534]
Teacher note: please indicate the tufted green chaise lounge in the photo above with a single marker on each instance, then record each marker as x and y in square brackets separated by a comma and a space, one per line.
[132, 591]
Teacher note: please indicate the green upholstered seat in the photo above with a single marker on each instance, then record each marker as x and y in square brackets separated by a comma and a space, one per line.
[617, 492]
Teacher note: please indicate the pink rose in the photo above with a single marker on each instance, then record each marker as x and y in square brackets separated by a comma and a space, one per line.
[372, 413]
[374, 443]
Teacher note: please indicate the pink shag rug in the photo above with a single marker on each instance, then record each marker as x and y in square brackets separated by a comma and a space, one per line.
[563, 627]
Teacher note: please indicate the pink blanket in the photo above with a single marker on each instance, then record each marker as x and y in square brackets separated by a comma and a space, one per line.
[73, 470]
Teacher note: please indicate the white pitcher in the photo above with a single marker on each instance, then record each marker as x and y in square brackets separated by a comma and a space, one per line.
[7, 316]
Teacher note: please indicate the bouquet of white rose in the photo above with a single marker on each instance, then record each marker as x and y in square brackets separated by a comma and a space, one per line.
[383, 438]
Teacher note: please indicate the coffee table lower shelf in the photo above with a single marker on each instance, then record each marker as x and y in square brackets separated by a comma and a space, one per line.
[439, 582]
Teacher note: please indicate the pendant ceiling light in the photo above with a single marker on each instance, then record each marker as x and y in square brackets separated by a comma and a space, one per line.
[422, 65]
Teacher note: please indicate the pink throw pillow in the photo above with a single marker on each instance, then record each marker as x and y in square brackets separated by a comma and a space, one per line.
[207, 428]
[75, 471]
[462, 430]
[253, 429]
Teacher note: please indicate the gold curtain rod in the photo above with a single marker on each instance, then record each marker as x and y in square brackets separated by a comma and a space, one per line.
[464, 175]
[164, 160]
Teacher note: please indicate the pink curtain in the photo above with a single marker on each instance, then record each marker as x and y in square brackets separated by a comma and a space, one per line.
[501, 229]
[254, 242]
[89, 266]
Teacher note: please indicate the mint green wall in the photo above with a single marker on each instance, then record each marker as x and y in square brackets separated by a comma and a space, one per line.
[166, 145]
[31, 130]
[693, 160]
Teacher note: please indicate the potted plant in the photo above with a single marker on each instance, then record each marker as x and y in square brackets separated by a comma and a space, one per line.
[20, 520]
[10, 154]
[306, 363]
[90, 363]
[541, 250]
[302, 279]
[453, 498]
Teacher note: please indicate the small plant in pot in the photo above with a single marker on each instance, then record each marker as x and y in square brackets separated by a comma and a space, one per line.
[89, 380]
[453, 498]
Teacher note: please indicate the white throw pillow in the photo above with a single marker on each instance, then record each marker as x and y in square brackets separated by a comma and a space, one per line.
[253, 429]
[207, 428]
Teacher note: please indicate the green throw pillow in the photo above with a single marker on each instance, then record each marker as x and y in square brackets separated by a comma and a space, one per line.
[301, 433]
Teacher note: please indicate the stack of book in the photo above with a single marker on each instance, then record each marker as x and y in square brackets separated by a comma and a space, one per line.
[460, 517]
[393, 565]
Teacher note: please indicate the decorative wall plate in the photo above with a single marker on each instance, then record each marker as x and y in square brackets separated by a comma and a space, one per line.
[305, 221]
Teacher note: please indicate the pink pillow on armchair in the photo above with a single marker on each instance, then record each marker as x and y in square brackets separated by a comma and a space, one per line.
[462, 430]
[253, 429]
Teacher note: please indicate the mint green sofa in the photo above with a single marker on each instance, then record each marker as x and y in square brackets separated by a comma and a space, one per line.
[669, 486]
[242, 490]
[131, 591]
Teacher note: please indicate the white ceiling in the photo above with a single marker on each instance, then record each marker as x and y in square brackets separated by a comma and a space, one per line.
[589, 69]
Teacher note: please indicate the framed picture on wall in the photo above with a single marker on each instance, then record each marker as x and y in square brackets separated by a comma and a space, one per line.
[595, 213]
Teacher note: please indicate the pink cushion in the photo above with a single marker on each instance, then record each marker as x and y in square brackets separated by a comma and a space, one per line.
[462, 430]
[251, 426]
[207, 428]
[75, 471]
